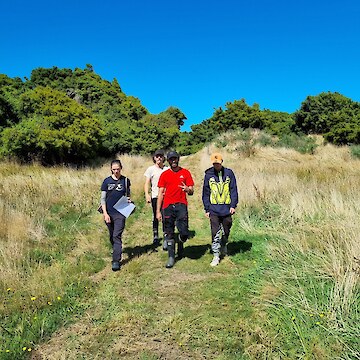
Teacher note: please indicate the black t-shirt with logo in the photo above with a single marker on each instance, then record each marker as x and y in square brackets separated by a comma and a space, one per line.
[115, 189]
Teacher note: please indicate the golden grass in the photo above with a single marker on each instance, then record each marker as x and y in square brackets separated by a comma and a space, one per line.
[312, 203]
[318, 203]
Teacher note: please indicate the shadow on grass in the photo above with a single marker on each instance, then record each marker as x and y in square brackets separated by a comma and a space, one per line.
[195, 251]
[238, 247]
[137, 251]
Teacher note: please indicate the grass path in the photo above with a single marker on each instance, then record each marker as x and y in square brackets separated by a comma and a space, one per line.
[146, 311]
[271, 298]
[288, 290]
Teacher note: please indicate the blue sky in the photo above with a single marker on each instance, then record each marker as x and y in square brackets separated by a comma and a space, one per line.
[195, 55]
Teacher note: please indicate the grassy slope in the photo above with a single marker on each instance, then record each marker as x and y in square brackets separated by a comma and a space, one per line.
[270, 299]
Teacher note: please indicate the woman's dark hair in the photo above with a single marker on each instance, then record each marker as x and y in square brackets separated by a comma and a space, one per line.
[116, 162]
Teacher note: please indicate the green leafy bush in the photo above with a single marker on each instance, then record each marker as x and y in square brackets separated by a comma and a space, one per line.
[54, 129]
[302, 144]
[355, 151]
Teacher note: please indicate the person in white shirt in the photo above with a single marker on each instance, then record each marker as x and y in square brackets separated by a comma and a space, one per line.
[152, 175]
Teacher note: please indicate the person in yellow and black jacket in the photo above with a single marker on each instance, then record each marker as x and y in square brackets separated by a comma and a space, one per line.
[220, 198]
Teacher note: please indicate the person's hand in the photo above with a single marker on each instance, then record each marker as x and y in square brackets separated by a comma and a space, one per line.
[232, 211]
[107, 218]
[129, 200]
[186, 188]
[148, 198]
[158, 216]
[207, 214]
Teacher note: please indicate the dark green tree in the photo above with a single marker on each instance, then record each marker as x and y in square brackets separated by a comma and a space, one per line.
[54, 129]
[10, 91]
[317, 114]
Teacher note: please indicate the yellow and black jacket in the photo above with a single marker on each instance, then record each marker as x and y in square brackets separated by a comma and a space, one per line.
[219, 191]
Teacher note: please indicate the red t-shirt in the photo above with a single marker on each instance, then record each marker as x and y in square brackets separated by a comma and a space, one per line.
[170, 180]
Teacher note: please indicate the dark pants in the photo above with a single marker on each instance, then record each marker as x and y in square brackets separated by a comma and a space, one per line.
[155, 220]
[220, 231]
[116, 228]
[176, 214]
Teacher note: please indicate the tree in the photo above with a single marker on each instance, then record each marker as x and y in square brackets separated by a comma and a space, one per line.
[176, 114]
[333, 115]
[316, 114]
[54, 129]
[10, 90]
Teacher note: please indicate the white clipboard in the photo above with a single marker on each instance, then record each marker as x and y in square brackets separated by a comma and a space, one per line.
[124, 207]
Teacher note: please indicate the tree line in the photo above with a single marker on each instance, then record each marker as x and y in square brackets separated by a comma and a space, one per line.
[73, 116]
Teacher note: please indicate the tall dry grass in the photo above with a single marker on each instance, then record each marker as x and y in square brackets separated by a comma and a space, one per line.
[307, 204]
[27, 195]
[312, 202]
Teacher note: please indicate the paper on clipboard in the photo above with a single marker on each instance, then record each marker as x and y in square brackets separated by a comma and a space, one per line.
[124, 207]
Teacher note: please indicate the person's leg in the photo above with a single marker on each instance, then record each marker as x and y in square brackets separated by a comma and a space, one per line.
[216, 235]
[110, 227]
[119, 225]
[155, 223]
[226, 223]
[169, 225]
[163, 230]
[182, 224]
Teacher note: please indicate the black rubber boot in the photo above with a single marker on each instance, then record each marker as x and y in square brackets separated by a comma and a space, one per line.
[156, 241]
[180, 252]
[171, 252]
[165, 243]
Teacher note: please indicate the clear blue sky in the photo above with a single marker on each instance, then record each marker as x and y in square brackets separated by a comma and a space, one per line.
[193, 54]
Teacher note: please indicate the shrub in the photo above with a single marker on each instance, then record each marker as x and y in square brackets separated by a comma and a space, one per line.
[302, 144]
[355, 151]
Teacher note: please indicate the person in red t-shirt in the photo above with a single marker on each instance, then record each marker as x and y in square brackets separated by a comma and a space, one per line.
[174, 184]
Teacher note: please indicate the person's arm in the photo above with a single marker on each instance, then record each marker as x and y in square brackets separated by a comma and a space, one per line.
[188, 189]
[128, 189]
[159, 203]
[233, 193]
[188, 185]
[103, 205]
[146, 190]
[206, 196]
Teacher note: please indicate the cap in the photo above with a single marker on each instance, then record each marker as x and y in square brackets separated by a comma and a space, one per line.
[172, 154]
[216, 158]
[159, 152]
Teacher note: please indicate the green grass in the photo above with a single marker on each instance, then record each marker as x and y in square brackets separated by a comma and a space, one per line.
[221, 313]
[267, 300]
[29, 318]
[38, 318]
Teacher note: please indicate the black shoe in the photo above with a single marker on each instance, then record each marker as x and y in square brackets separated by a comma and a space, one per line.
[115, 266]
[156, 240]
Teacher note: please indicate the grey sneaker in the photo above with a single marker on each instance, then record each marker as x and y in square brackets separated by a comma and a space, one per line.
[215, 261]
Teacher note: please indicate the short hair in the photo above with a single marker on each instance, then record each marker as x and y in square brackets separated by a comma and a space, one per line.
[158, 152]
